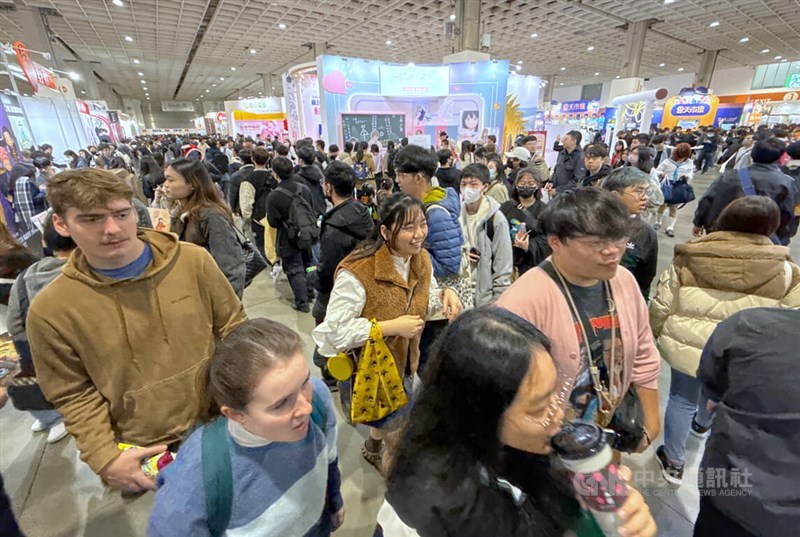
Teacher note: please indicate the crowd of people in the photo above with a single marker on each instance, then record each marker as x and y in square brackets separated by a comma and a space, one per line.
[467, 302]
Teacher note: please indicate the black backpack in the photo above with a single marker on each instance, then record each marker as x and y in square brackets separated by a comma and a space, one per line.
[301, 224]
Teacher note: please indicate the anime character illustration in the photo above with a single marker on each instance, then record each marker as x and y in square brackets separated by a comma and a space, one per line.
[470, 122]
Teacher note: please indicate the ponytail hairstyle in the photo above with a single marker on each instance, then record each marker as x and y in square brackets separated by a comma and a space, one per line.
[360, 152]
[395, 211]
[240, 361]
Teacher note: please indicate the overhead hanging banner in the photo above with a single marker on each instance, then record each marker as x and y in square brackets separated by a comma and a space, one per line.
[36, 74]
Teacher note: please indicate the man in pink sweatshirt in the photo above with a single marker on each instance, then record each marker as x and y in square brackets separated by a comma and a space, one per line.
[581, 294]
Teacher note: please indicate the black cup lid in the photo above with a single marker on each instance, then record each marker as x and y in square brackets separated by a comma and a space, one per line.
[579, 439]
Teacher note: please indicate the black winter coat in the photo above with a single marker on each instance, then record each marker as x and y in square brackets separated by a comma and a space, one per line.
[439, 501]
[312, 176]
[569, 171]
[768, 180]
[749, 365]
[278, 207]
[343, 228]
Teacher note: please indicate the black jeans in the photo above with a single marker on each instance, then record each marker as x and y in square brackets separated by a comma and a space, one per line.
[8, 524]
[712, 522]
[294, 266]
[258, 237]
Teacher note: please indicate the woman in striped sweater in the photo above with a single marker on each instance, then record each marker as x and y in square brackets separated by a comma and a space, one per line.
[278, 430]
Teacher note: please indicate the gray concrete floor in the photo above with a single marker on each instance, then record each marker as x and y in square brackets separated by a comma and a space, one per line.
[56, 495]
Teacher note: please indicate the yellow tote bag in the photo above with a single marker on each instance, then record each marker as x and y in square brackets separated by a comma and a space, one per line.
[377, 385]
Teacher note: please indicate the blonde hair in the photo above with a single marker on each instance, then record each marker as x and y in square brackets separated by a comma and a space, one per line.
[85, 189]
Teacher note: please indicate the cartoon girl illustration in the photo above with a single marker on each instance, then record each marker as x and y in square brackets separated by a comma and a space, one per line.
[470, 120]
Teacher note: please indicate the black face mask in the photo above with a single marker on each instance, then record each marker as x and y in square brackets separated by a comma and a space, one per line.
[526, 191]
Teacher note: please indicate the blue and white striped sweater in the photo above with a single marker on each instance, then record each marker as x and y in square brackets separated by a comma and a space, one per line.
[280, 490]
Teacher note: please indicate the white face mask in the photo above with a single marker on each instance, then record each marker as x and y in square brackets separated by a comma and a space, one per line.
[471, 195]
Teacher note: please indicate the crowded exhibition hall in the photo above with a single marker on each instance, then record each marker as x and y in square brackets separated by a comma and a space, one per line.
[399, 268]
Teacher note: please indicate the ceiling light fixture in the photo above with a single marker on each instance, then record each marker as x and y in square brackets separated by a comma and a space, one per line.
[784, 60]
[590, 49]
[561, 84]
[714, 24]
[213, 85]
[83, 92]
[129, 39]
[136, 62]
[766, 50]
[534, 36]
[282, 26]
[597, 74]
[233, 68]
[222, 78]
[519, 62]
[669, 2]
[518, 67]
[388, 41]
[744, 40]
[453, 17]
[662, 64]
[617, 76]
[680, 69]
[563, 68]
[117, 3]
[778, 57]
[140, 73]
[253, 51]
[208, 91]
[145, 88]
[143, 81]
[74, 76]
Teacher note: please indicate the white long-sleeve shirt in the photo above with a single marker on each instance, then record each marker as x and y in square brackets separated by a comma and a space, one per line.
[344, 328]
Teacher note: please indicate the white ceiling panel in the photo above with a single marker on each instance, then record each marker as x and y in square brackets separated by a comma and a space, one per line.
[164, 33]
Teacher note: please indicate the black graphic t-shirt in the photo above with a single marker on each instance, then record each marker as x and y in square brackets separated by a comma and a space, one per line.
[592, 302]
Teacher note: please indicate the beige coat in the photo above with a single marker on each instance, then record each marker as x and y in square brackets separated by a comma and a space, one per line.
[712, 278]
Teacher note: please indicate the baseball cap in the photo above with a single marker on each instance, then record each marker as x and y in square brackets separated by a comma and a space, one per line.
[519, 153]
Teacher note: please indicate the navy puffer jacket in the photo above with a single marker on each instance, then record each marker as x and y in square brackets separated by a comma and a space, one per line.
[444, 241]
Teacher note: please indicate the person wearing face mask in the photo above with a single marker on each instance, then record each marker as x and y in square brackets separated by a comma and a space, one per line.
[387, 279]
[522, 212]
[474, 460]
[343, 227]
[275, 426]
[498, 181]
[487, 239]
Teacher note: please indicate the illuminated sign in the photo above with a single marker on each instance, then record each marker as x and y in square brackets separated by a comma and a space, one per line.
[690, 110]
[574, 107]
[793, 81]
[406, 80]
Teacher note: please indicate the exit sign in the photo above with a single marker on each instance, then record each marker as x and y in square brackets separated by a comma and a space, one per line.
[793, 81]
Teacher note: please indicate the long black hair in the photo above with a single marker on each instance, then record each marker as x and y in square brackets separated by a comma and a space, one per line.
[395, 211]
[474, 377]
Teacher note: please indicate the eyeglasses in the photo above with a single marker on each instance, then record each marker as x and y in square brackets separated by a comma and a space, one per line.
[640, 192]
[598, 246]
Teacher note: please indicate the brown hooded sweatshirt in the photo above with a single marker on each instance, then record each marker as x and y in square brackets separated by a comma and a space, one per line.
[120, 359]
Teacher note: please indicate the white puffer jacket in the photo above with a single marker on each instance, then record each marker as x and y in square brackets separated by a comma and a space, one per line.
[710, 279]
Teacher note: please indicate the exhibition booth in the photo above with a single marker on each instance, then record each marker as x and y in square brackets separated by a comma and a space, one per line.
[263, 117]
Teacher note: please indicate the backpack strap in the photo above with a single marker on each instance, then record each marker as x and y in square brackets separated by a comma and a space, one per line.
[746, 182]
[217, 476]
[490, 228]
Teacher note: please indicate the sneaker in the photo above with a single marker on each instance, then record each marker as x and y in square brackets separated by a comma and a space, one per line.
[57, 432]
[670, 233]
[38, 427]
[697, 430]
[656, 226]
[303, 308]
[671, 473]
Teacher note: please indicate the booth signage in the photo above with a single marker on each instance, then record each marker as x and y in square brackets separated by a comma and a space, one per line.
[221, 117]
[261, 106]
[574, 107]
[36, 74]
[793, 82]
[690, 110]
[410, 81]
[177, 106]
